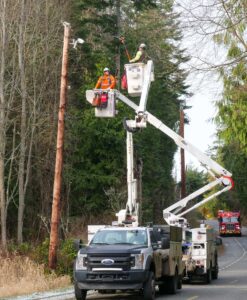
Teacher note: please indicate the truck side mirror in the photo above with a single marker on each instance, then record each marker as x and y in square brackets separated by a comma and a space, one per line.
[218, 241]
[77, 244]
[155, 247]
[165, 243]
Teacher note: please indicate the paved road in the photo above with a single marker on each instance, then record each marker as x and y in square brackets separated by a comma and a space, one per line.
[231, 284]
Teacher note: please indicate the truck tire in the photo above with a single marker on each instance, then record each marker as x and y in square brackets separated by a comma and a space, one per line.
[149, 287]
[80, 294]
[209, 275]
[180, 282]
[215, 270]
[173, 283]
[163, 288]
[215, 273]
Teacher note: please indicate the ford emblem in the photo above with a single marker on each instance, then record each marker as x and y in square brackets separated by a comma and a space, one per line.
[107, 262]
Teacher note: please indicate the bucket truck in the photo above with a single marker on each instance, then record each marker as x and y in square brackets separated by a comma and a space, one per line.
[130, 257]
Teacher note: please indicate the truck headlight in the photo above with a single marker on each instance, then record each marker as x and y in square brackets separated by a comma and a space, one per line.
[137, 261]
[81, 262]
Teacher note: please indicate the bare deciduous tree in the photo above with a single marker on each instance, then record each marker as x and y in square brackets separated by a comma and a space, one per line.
[2, 119]
[29, 83]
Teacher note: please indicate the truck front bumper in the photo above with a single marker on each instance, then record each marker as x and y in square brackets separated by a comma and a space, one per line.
[125, 280]
[230, 232]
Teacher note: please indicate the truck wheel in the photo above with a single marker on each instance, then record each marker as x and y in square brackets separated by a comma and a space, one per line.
[215, 271]
[209, 276]
[80, 294]
[180, 282]
[163, 289]
[173, 283]
[149, 287]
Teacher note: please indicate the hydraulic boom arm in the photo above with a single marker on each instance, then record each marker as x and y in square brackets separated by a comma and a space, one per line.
[130, 214]
[181, 142]
[221, 175]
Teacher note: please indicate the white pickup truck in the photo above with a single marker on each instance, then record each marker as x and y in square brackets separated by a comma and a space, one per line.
[130, 258]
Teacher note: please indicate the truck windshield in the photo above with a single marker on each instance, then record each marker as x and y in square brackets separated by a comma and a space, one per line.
[235, 219]
[120, 237]
[230, 220]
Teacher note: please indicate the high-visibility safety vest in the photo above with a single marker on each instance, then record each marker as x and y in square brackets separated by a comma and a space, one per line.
[106, 82]
[141, 56]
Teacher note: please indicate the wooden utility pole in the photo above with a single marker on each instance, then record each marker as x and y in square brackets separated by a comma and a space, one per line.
[59, 153]
[183, 178]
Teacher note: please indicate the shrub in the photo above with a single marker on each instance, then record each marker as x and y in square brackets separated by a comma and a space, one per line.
[65, 256]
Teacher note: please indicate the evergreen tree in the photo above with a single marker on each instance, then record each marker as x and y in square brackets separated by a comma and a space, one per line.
[96, 162]
[232, 109]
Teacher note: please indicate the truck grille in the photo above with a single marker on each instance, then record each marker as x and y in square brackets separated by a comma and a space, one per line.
[95, 261]
[106, 277]
[230, 227]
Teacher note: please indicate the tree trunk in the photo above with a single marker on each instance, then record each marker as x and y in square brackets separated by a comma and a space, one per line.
[21, 173]
[3, 204]
[2, 122]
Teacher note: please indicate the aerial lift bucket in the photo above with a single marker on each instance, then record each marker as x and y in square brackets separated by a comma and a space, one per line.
[135, 78]
[107, 108]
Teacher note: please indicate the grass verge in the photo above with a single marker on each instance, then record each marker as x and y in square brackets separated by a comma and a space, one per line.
[19, 275]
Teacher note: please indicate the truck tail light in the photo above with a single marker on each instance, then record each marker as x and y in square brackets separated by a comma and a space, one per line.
[200, 262]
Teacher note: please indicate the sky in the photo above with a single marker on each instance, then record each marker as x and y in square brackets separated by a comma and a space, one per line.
[201, 130]
[206, 88]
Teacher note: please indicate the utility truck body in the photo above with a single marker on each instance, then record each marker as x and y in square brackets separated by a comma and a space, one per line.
[200, 255]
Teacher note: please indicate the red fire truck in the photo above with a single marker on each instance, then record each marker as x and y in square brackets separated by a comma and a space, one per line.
[229, 223]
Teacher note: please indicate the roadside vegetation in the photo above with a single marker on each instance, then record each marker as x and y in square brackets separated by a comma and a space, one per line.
[19, 275]
[25, 269]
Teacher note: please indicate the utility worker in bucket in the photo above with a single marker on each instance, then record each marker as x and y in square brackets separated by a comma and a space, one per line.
[107, 81]
[141, 55]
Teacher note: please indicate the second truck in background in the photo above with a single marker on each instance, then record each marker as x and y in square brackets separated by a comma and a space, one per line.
[229, 223]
